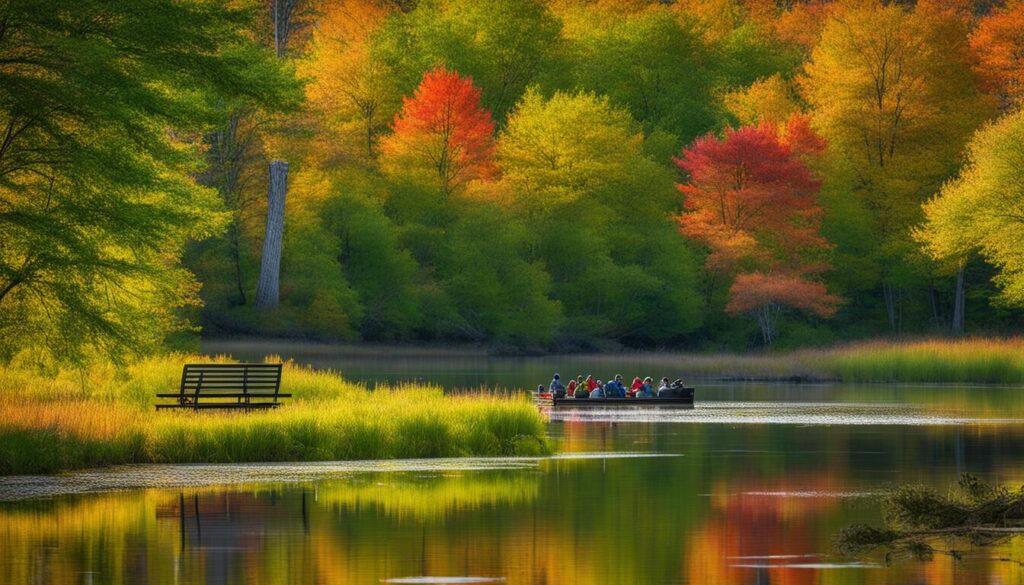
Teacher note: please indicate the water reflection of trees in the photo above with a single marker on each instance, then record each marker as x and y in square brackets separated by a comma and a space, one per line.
[430, 497]
[746, 492]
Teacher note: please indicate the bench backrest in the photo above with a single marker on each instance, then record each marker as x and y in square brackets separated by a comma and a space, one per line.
[262, 379]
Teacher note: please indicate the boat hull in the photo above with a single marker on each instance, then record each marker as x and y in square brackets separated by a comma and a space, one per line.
[686, 399]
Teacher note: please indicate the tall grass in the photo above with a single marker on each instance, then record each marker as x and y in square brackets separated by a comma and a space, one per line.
[50, 423]
[982, 361]
[973, 360]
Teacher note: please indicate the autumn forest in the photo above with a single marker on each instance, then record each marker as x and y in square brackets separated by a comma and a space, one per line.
[531, 174]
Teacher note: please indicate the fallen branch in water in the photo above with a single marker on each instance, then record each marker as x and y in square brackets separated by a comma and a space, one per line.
[917, 517]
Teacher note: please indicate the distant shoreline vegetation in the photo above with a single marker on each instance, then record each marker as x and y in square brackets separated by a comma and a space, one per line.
[102, 416]
[973, 360]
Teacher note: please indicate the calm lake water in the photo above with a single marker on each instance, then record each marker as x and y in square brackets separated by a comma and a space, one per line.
[749, 487]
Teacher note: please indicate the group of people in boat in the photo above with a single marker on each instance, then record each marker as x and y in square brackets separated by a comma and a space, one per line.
[587, 388]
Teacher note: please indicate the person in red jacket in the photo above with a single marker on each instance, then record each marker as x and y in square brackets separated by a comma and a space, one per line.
[591, 384]
[634, 387]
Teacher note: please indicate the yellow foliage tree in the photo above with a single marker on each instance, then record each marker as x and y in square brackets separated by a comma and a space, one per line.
[352, 95]
[983, 209]
[768, 100]
[893, 93]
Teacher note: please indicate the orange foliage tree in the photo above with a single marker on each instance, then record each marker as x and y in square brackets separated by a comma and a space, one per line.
[997, 47]
[351, 95]
[441, 135]
[752, 200]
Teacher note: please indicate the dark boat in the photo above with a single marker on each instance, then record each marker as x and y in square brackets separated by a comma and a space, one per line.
[683, 399]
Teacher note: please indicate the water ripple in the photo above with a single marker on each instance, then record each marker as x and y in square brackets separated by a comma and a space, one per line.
[783, 413]
[444, 580]
[125, 477]
[816, 566]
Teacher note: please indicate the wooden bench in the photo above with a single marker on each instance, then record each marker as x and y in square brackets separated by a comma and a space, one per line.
[242, 386]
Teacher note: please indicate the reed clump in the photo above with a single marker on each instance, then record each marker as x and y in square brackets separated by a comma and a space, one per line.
[980, 361]
[920, 521]
[54, 422]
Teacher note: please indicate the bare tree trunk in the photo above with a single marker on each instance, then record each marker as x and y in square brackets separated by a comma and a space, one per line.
[933, 299]
[283, 12]
[766, 319]
[958, 303]
[267, 290]
[894, 307]
[234, 244]
[890, 305]
[275, 10]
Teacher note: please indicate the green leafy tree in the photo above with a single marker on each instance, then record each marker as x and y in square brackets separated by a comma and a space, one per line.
[496, 291]
[97, 194]
[504, 45]
[317, 295]
[557, 151]
[649, 62]
[575, 166]
[370, 253]
[983, 209]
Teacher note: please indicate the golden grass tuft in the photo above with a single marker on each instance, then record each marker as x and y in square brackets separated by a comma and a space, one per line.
[981, 361]
[48, 423]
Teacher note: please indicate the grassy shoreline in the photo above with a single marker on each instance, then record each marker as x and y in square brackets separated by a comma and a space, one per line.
[967, 360]
[964, 361]
[52, 423]
[65, 420]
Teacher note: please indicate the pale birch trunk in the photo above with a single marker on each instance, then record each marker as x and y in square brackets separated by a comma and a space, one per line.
[268, 288]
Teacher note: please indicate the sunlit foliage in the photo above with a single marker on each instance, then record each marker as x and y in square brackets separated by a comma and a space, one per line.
[997, 45]
[97, 193]
[983, 209]
[441, 137]
[751, 200]
[499, 171]
[892, 91]
[576, 166]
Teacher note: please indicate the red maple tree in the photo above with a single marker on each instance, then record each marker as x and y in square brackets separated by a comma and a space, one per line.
[443, 132]
[752, 200]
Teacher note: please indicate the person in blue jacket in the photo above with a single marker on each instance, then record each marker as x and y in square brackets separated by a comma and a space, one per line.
[615, 388]
[598, 391]
[557, 388]
[647, 390]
